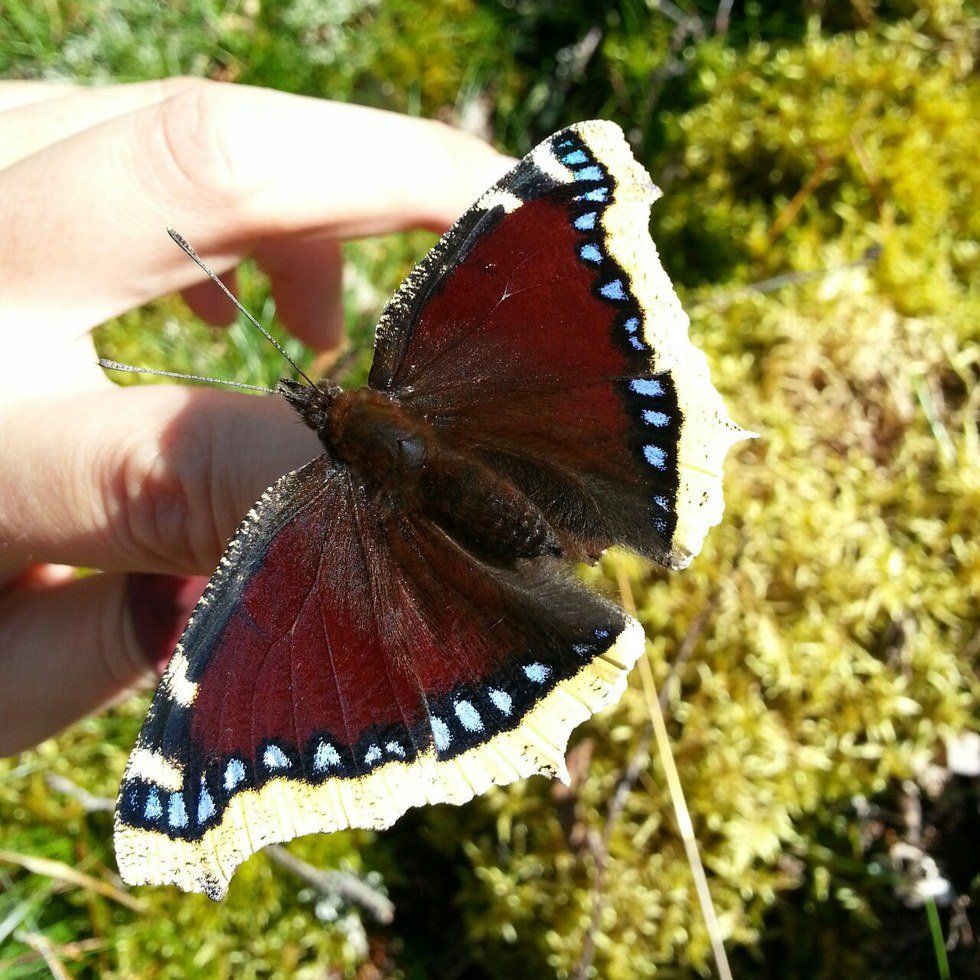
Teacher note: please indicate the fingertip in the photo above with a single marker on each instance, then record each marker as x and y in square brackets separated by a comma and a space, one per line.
[306, 277]
[493, 167]
[474, 166]
[160, 606]
[208, 302]
[314, 316]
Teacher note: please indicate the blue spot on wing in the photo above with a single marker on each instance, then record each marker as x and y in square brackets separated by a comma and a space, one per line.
[440, 733]
[599, 194]
[586, 222]
[537, 672]
[613, 290]
[659, 419]
[177, 812]
[576, 156]
[325, 756]
[234, 773]
[153, 809]
[502, 700]
[275, 758]
[647, 386]
[655, 456]
[590, 173]
[205, 805]
[631, 324]
[468, 716]
[590, 253]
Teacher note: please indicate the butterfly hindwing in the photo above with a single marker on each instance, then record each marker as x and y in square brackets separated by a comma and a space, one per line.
[543, 333]
[349, 661]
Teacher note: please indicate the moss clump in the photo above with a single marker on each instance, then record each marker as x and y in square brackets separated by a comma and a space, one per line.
[841, 589]
[833, 615]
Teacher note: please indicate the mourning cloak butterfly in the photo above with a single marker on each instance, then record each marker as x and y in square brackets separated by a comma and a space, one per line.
[394, 623]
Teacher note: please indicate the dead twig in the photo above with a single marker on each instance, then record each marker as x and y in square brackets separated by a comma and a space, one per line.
[723, 17]
[871, 255]
[38, 942]
[684, 824]
[867, 168]
[68, 875]
[89, 802]
[688, 27]
[673, 12]
[788, 215]
[635, 767]
[66, 951]
[329, 881]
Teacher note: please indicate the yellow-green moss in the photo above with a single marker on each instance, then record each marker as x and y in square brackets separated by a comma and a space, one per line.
[839, 594]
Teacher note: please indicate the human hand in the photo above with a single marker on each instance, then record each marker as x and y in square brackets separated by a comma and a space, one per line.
[154, 479]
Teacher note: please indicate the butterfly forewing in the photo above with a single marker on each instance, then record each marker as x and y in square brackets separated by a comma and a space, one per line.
[543, 333]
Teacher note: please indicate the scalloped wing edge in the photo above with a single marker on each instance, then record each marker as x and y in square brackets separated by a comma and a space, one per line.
[284, 808]
[707, 431]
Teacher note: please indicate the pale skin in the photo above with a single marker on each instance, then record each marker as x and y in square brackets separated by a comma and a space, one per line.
[156, 478]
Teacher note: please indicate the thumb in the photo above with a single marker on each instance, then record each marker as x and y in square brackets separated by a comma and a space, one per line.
[151, 479]
[72, 645]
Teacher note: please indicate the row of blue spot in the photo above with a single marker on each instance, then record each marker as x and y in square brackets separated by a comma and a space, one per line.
[326, 755]
[655, 455]
[176, 808]
[590, 251]
[615, 290]
[469, 717]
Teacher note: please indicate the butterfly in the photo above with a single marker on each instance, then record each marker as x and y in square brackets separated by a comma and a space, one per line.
[396, 623]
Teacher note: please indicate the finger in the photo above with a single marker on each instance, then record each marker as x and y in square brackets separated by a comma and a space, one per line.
[69, 648]
[15, 93]
[160, 606]
[151, 478]
[191, 161]
[66, 367]
[210, 303]
[57, 112]
[306, 276]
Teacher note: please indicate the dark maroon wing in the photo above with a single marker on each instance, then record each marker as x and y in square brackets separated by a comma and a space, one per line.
[542, 334]
[347, 662]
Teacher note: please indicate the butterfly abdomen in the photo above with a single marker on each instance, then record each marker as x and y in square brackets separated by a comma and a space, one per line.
[484, 511]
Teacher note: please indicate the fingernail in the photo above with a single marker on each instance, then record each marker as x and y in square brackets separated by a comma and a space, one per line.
[160, 606]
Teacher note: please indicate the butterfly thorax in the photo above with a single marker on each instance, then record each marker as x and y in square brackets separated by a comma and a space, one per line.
[398, 454]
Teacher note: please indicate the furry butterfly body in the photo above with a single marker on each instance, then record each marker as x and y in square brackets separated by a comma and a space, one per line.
[395, 623]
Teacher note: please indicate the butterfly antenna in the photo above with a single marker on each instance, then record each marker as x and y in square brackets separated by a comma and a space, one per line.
[104, 362]
[194, 257]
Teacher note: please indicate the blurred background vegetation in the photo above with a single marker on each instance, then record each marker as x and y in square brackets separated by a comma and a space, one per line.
[819, 660]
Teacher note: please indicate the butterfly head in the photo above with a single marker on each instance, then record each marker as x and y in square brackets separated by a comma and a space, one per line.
[312, 402]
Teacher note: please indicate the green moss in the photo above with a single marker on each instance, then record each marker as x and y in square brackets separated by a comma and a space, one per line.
[838, 596]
